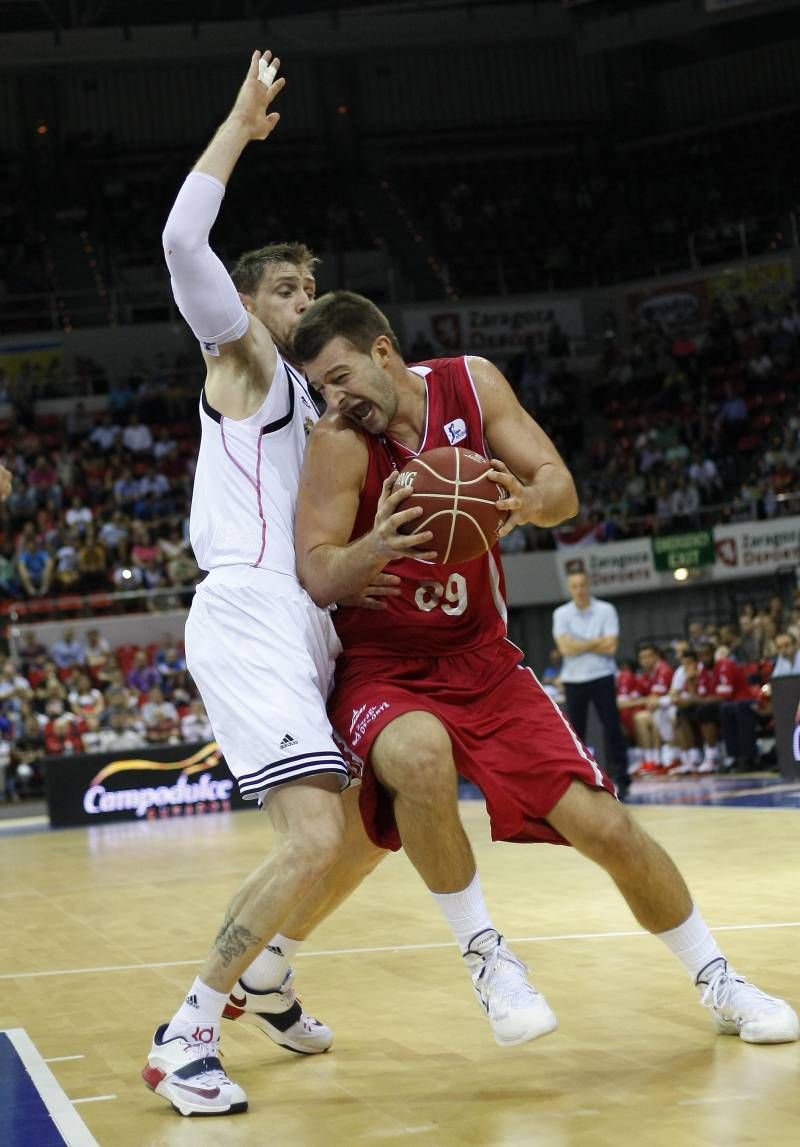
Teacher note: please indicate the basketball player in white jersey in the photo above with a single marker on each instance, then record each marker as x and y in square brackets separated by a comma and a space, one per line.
[260, 651]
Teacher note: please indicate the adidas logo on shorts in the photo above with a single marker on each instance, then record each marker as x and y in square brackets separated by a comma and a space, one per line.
[288, 742]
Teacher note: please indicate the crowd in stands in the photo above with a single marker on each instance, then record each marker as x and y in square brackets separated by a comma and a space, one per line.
[595, 211]
[684, 427]
[564, 215]
[701, 703]
[79, 695]
[99, 502]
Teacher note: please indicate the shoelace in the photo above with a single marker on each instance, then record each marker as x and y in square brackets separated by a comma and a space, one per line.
[720, 990]
[495, 962]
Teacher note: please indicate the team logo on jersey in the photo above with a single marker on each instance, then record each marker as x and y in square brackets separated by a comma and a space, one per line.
[456, 431]
[308, 425]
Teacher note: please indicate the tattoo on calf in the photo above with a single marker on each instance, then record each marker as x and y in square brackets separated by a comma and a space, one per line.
[233, 940]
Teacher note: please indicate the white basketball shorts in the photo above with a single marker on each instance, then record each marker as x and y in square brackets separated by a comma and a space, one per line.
[262, 656]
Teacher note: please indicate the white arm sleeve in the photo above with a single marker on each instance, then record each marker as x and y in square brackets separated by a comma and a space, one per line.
[203, 289]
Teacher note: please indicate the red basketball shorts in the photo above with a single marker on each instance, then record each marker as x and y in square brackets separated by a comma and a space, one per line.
[509, 738]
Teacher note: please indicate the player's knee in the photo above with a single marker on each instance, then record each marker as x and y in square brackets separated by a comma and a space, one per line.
[416, 758]
[315, 847]
[614, 839]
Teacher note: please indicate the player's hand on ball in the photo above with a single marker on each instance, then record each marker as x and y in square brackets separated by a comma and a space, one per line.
[390, 516]
[256, 94]
[521, 501]
[374, 596]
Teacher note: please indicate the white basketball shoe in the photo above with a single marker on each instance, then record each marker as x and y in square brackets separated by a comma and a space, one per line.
[516, 1011]
[740, 1008]
[279, 1014]
[187, 1072]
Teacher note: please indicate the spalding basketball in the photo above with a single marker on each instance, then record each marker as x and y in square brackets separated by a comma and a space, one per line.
[458, 502]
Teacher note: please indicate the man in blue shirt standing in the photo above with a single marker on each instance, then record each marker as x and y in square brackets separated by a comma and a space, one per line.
[586, 631]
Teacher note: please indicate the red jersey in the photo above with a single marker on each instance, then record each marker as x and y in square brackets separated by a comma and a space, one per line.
[657, 683]
[629, 686]
[704, 681]
[728, 679]
[441, 609]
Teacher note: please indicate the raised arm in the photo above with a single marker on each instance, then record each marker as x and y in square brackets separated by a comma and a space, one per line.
[540, 487]
[239, 352]
[329, 565]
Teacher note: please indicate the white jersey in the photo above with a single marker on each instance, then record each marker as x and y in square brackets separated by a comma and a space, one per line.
[245, 484]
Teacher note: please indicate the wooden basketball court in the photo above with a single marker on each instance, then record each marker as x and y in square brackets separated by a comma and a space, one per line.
[101, 931]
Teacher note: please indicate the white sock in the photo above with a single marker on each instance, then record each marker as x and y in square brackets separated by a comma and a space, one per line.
[465, 911]
[711, 753]
[695, 757]
[692, 943]
[268, 970]
[199, 1015]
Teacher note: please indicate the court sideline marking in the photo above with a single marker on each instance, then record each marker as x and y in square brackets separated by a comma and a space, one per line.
[386, 948]
[73, 1130]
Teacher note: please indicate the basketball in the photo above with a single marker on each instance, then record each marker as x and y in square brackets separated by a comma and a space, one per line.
[458, 502]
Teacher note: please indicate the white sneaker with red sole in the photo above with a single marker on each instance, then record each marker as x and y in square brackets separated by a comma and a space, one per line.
[189, 1075]
[279, 1015]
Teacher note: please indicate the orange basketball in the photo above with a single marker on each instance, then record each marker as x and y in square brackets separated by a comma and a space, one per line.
[458, 502]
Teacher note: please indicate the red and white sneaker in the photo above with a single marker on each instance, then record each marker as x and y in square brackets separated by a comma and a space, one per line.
[189, 1075]
[279, 1014]
[650, 769]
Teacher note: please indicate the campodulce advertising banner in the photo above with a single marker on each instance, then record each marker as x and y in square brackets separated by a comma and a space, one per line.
[149, 784]
[493, 330]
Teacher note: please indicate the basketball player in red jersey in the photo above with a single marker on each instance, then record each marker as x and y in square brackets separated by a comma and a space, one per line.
[434, 685]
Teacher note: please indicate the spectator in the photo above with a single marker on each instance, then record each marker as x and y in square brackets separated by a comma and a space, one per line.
[136, 436]
[160, 719]
[181, 567]
[62, 736]
[98, 651]
[164, 445]
[85, 699]
[68, 651]
[120, 734]
[788, 660]
[171, 665]
[92, 736]
[195, 725]
[34, 569]
[78, 516]
[66, 573]
[141, 676]
[114, 534]
[14, 688]
[31, 653]
[42, 479]
[105, 434]
[9, 580]
[92, 561]
[749, 644]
